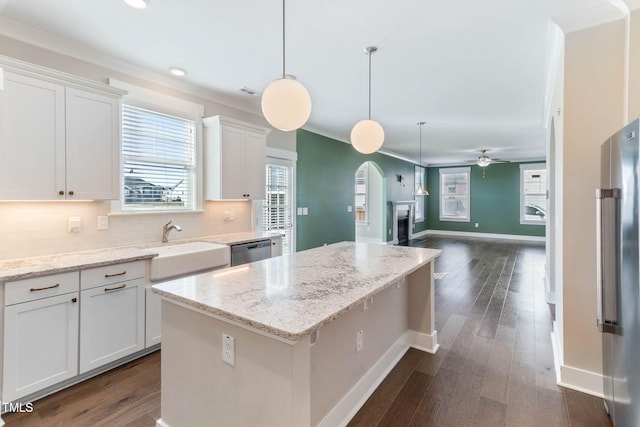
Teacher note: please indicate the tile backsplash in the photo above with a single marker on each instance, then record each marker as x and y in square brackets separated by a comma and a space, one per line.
[41, 228]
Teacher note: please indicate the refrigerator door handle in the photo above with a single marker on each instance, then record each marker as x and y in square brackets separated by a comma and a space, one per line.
[604, 253]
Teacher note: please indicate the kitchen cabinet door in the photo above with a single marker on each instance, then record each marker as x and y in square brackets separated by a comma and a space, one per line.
[153, 313]
[234, 159]
[254, 165]
[40, 344]
[32, 139]
[92, 145]
[111, 323]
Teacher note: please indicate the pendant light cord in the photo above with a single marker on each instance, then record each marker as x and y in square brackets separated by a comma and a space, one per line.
[369, 84]
[420, 160]
[283, 40]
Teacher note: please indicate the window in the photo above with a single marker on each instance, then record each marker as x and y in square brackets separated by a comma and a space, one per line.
[361, 193]
[419, 209]
[454, 194]
[533, 193]
[158, 161]
[278, 206]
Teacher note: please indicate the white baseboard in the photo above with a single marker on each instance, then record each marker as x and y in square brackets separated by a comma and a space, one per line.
[160, 423]
[575, 378]
[581, 380]
[487, 235]
[420, 234]
[422, 341]
[351, 403]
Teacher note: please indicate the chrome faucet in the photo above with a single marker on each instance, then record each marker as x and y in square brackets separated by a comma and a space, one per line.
[167, 228]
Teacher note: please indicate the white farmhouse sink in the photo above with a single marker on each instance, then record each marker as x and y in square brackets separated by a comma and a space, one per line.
[184, 258]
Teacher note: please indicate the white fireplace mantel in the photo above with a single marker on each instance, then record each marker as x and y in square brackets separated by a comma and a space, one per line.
[399, 206]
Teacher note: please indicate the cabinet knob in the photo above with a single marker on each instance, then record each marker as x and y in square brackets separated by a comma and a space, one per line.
[61, 193]
[74, 299]
[71, 193]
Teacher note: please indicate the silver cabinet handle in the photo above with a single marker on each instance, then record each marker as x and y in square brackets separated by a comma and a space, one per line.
[115, 275]
[57, 285]
[116, 288]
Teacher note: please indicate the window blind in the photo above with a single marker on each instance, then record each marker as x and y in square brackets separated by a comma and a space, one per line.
[158, 155]
[277, 207]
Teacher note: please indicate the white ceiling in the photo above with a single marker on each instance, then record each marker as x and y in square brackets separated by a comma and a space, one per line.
[474, 70]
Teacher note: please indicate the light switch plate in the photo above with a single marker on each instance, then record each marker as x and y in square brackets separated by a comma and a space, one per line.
[349, 208]
[299, 211]
[305, 211]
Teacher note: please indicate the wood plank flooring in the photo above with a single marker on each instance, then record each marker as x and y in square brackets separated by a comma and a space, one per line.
[494, 366]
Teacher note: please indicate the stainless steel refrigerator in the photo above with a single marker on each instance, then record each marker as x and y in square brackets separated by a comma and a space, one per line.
[618, 274]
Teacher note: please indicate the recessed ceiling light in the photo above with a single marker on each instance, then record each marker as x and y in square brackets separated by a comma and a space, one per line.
[180, 72]
[138, 4]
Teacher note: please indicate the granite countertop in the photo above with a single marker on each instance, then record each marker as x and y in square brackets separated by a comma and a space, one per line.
[25, 268]
[293, 295]
[237, 238]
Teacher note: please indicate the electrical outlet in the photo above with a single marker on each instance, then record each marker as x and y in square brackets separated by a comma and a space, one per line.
[228, 349]
[74, 224]
[349, 208]
[359, 340]
[229, 215]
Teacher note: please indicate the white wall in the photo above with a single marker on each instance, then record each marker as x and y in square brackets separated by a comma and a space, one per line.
[593, 110]
[31, 229]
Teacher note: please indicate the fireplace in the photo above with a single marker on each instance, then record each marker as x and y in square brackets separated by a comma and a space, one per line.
[402, 222]
[403, 228]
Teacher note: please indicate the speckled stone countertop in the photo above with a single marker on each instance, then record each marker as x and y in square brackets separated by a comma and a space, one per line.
[237, 238]
[291, 296]
[25, 268]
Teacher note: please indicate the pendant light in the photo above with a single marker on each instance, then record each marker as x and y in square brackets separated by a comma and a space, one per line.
[421, 191]
[367, 136]
[286, 103]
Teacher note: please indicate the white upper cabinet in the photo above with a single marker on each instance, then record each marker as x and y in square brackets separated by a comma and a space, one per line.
[59, 136]
[234, 158]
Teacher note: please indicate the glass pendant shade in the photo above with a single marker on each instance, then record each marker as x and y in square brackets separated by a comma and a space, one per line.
[421, 191]
[367, 136]
[286, 104]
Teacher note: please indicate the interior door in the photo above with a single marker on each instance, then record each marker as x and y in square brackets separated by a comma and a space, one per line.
[279, 202]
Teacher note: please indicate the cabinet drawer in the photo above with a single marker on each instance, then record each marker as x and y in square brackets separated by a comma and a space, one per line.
[40, 287]
[100, 276]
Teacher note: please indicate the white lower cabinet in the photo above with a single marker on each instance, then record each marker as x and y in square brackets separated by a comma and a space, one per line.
[112, 323]
[40, 343]
[153, 322]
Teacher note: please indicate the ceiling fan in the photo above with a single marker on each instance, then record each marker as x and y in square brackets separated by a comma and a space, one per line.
[484, 160]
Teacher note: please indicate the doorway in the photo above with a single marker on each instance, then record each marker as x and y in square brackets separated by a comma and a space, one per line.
[278, 208]
[370, 202]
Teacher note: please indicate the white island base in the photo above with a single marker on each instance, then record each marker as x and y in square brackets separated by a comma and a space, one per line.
[318, 380]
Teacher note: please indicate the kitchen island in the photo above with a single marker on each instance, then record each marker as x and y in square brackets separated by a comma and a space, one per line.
[314, 333]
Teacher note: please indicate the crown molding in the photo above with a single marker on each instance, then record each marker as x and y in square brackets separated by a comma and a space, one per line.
[591, 17]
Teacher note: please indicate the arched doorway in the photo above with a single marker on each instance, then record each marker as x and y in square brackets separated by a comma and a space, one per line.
[370, 202]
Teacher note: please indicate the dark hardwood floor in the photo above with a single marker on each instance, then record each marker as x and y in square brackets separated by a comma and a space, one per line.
[494, 366]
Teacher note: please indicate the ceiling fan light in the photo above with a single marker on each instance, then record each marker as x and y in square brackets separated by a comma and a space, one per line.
[367, 136]
[483, 162]
[286, 104]
[421, 191]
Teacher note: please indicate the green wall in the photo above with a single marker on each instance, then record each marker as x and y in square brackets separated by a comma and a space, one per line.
[495, 202]
[325, 184]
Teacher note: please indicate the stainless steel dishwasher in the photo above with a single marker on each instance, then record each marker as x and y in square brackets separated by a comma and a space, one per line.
[250, 252]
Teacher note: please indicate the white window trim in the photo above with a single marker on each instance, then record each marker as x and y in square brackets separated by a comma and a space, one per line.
[417, 220]
[524, 167]
[287, 158]
[452, 171]
[144, 98]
